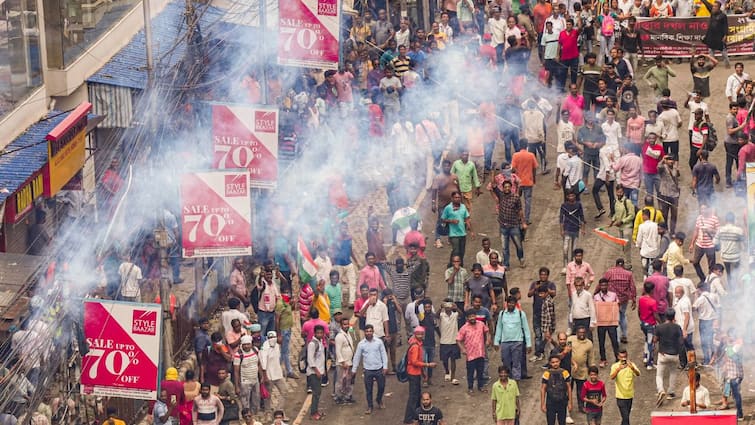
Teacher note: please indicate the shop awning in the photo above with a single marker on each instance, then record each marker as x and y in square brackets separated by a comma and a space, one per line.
[26, 155]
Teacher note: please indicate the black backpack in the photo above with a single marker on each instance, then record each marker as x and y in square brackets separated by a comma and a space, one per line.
[712, 142]
[303, 359]
[557, 389]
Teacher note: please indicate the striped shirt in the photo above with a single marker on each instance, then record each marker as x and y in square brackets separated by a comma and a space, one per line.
[401, 283]
[706, 228]
[306, 296]
[248, 365]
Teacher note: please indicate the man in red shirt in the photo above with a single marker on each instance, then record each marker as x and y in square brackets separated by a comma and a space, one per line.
[487, 51]
[524, 163]
[568, 53]
[652, 155]
[648, 311]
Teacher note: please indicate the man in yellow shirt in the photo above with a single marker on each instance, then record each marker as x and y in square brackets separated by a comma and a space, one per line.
[674, 255]
[655, 215]
[624, 373]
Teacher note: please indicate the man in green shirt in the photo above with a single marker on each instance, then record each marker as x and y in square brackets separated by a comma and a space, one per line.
[505, 397]
[334, 291]
[657, 76]
[466, 175]
[284, 320]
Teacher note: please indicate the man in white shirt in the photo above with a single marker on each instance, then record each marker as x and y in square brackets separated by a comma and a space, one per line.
[611, 129]
[376, 314]
[735, 80]
[680, 281]
[731, 238]
[272, 372]
[707, 306]
[558, 21]
[683, 317]
[403, 34]
[232, 313]
[572, 171]
[583, 307]
[693, 103]
[497, 28]
[344, 355]
[648, 241]
[671, 122]
[131, 278]
[702, 396]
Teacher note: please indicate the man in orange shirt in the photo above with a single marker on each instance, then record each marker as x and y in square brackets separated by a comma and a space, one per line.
[524, 164]
[415, 362]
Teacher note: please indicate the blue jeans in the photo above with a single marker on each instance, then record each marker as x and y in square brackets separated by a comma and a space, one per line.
[649, 331]
[511, 356]
[285, 347]
[527, 194]
[539, 343]
[513, 234]
[429, 358]
[632, 194]
[623, 320]
[706, 339]
[267, 322]
[652, 183]
[736, 392]
[510, 142]
[489, 147]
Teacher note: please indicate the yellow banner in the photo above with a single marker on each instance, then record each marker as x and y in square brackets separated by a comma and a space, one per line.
[65, 163]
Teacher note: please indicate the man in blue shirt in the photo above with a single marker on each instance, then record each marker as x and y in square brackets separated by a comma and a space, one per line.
[456, 216]
[372, 351]
[512, 334]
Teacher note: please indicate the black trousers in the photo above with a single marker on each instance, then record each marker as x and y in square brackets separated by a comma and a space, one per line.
[412, 403]
[611, 330]
[625, 408]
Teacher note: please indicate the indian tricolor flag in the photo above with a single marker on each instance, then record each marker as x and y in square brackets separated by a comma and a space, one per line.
[307, 266]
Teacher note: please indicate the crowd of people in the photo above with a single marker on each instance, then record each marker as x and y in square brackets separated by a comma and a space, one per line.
[355, 317]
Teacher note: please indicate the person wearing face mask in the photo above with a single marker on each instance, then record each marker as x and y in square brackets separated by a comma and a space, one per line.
[272, 372]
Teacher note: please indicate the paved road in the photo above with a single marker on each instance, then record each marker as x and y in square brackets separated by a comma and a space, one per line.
[543, 248]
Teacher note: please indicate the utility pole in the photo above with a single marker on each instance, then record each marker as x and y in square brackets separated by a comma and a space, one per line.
[263, 29]
[146, 9]
[163, 242]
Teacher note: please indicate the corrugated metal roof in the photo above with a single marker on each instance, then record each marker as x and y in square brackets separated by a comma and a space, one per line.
[27, 154]
[128, 67]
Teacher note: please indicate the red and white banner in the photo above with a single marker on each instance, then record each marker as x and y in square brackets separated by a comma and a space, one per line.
[246, 137]
[710, 417]
[124, 349]
[216, 213]
[308, 33]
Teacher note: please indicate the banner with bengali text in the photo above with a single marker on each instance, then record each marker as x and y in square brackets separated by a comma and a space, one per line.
[674, 37]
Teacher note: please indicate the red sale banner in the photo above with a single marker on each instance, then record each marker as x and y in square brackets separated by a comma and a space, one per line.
[308, 33]
[124, 349]
[216, 213]
[726, 417]
[247, 137]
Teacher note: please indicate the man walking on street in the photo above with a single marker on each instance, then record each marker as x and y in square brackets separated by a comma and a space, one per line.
[371, 351]
[315, 371]
[511, 221]
[415, 362]
[668, 337]
[624, 372]
[555, 392]
[344, 355]
[512, 333]
[606, 302]
[621, 282]
[505, 398]
[473, 338]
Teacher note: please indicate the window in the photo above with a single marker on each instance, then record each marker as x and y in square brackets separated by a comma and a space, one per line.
[20, 65]
[71, 26]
